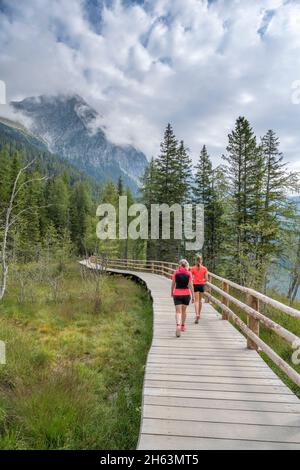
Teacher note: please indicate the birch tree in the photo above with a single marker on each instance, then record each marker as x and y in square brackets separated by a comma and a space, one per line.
[11, 215]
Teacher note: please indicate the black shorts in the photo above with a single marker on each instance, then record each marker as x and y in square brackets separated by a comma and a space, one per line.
[182, 299]
[199, 288]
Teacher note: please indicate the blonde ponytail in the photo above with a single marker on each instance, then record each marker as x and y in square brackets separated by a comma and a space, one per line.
[184, 264]
[198, 261]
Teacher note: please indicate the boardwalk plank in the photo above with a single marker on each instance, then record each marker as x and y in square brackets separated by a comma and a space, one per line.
[213, 371]
[196, 362]
[222, 416]
[226, 387]
[219, 404]
[206, 390]
[223, 395]
[221, 430]
[150, 441]
[206, 379]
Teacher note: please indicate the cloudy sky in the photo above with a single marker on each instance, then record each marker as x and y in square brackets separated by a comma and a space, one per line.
[196, 63]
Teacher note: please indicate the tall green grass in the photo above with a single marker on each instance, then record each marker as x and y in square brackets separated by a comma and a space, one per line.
[75, 366]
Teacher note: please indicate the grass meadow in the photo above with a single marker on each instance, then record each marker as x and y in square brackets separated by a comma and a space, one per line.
[76, 349]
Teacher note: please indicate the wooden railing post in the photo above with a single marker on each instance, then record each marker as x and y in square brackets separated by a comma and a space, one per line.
[208, 289]
[225, 301]
[252, 323]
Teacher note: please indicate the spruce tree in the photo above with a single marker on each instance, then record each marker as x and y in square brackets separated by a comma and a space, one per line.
[127, 246]
[80, 204]
[182, 181]
[148, 196]
[203, 178]
[167, 191]
[294, 274]
[58, 203]
[167, 169]
[15, 235]
[216, 215]
[279, 213]
[167, 180]
[243, 171]
[164, 189]
[183, 175]
[4, 179]
[111, 248]
[206, 191]
[31, 230]
[120, 186]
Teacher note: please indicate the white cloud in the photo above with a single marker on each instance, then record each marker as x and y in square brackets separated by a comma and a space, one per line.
[195, 63]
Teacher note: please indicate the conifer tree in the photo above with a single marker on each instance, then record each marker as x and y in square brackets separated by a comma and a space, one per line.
[161, 182]
[183, 175]
[31, 230]
[167, 187]
[80, 204]
[15, 238]
[243, 171]
[206, 191]
[166, 165]
[294, 283]
[128, 245]
[4, 179]
[216, 214]
[110, 248]
[203, 178]
[278, 212]
[120, 186]
[58, 203]
[148, 197]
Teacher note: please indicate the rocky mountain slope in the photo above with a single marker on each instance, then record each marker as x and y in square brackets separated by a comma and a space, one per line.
[70, 128]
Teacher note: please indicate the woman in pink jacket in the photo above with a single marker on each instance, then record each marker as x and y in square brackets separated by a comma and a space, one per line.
[182, 291]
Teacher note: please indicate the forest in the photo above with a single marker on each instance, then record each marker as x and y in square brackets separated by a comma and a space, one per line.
[251, 219]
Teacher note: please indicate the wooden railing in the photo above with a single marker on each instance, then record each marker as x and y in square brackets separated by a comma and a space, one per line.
[156, 267]
[245, 299]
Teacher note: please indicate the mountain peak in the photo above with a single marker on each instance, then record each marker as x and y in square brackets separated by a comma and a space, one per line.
[75, 131]
[66, 103]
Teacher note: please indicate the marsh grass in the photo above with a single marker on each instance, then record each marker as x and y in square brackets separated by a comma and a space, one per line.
[73, 378]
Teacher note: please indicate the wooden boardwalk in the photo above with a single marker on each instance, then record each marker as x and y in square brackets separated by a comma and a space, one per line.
[206, 390]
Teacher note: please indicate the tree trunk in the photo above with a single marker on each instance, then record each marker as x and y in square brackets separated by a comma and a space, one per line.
[3, 280]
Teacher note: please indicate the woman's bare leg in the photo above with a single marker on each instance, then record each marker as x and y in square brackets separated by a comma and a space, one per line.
[200, 304]
[197, 300]
[178, 317]
[183, 317]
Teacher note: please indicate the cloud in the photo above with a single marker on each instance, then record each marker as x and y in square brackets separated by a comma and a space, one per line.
[198, 64]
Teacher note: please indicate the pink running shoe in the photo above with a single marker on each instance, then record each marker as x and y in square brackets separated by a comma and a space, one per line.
[182, 327]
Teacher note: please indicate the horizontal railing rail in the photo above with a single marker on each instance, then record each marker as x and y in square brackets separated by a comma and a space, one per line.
[263, 298]
[224, 300]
